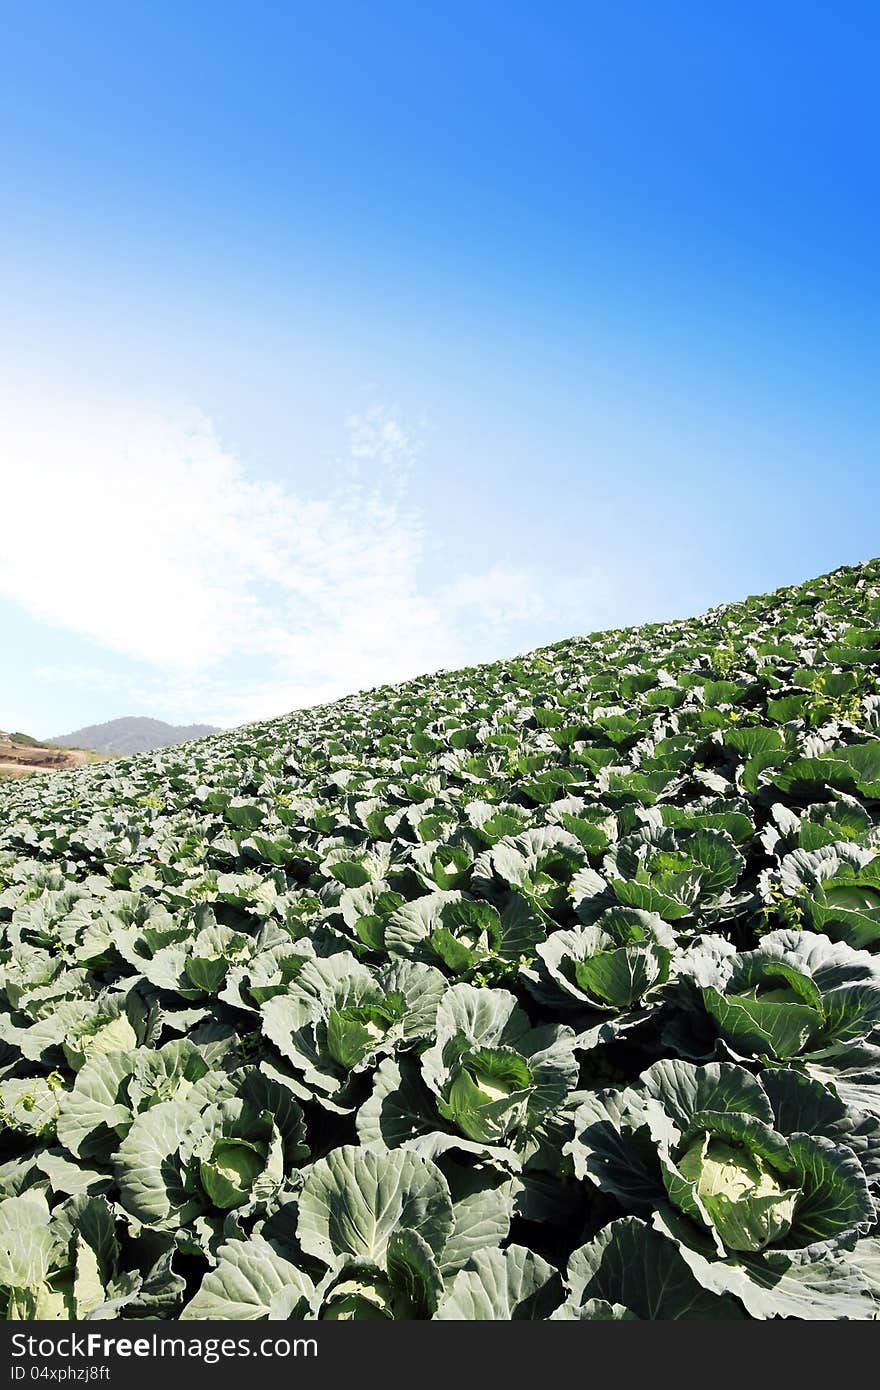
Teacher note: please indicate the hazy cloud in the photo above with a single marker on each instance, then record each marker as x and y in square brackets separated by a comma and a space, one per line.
[238, 598]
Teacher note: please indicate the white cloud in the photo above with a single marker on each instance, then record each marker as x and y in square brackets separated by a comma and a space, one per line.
[378, 436]
[237, 598]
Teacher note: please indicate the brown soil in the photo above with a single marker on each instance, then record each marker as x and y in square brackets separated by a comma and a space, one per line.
[18, 760]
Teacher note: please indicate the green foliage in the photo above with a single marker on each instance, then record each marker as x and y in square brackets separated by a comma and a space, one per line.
[377, 1010]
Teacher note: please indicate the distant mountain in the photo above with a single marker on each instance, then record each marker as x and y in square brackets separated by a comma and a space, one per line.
[126, 736]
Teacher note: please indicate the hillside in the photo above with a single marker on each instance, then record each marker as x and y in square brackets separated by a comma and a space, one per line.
[21, 755]
[542, 988]
[125, 737]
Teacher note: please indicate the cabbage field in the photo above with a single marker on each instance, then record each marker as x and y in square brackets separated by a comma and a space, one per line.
[546, 989]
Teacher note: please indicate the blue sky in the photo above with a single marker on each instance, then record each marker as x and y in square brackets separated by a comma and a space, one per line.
[344, 342]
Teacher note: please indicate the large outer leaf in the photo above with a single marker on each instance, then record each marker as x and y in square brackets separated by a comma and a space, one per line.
[755, 1027]
[28, 1248]
[93, 1108]
[251, 1280]
[804, 1105]
[631, 1264]
[482, 1221]
[400, 1109]
[779, 1285]
[502, 1285]
[413, 1271]
[150, 1182]
[411, 925]
[354, 1198]
[683, 1090]
[836, 1201]
[613, 1148]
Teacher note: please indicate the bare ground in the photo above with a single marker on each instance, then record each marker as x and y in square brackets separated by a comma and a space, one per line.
[18, 760]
